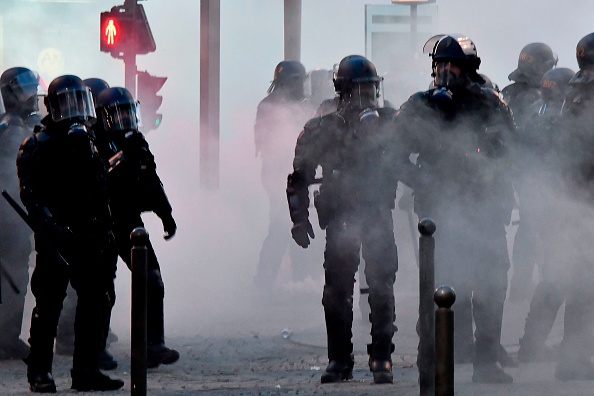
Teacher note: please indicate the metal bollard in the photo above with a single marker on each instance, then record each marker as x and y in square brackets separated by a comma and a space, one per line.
[444, 297]
[138, 326]
[426, 325]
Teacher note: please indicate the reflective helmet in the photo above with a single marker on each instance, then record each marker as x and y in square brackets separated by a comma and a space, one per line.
[19, 90]
[68, 98]
[457, 49]
[289, 75]
[117, 109]
[555, 84]
[96, 85]
[357, 82]
[534, 61]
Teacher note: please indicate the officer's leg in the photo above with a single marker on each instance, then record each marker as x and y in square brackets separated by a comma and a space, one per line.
[574, 357]
[380, 254]
[341, 259]
[490, 287]
[275, 245]
[65, 334]
[546, 302]
[90, 276]
[451, 254]
[48, 284]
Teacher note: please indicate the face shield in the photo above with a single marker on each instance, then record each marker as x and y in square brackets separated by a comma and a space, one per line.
[447, 75]
[72, 103]
[120, 117]
[2, 107]
[364, 94]
[24, 85]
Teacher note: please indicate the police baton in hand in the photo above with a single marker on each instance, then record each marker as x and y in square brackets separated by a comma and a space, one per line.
[25, 216]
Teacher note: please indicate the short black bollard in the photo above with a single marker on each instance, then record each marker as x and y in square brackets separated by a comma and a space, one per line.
[444, 297]
[138, 326]
[426, 325]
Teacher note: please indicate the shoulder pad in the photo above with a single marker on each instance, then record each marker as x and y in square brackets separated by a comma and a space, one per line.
[313, 123]
[493, 96]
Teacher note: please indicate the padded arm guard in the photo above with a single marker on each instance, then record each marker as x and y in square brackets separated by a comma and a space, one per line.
[298, 197]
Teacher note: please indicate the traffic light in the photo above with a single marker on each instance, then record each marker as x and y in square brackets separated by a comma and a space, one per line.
[126, 31]
[115, 31]
[148, 86]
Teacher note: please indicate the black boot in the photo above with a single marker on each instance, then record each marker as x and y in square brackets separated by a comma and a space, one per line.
[505, 359]
[41, 382]
[490, 373]
[160, 354]
[338, 371]
[380, 360]
[93, 380]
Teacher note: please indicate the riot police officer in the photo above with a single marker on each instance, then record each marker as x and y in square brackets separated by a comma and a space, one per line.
[541, 149]
[18, 86]
[460, 179]
[279, 118]
[65, 334]
[354, 206]
[63, 186]
[522, 96]
[134, 187]
[577, 123]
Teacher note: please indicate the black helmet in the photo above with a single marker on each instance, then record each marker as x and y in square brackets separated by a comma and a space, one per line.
[19, 90]
[555, 84]
[117, 109]
[357, 82]
[534, 61]
[289, 74]
[457, 48]
[96, 85]
[584, 52]
[68, 98]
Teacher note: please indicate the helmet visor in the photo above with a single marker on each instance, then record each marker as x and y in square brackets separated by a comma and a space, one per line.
[2, 107]
[120, 117]
[72, 103]
[24, 85]
[364, 95]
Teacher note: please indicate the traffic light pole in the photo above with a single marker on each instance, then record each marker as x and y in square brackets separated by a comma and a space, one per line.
[130, 55]
[210, 15]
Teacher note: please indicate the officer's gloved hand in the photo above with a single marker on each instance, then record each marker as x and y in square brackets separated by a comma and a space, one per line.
[169, 227]
[301, 232]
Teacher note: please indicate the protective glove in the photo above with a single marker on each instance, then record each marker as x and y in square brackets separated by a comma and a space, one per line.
[301, 232]
[169, 227]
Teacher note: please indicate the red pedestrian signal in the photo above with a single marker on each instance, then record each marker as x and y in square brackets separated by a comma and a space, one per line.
[113, 32]
[148, 86]
[127, 32]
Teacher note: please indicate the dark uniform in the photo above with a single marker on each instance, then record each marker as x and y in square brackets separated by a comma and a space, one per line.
[540, 150]
[134, 187]
[354, 206]
[19, 91]
[522, 96]
[279, 119]
[461, 180]
[578, 140]
[63, 186]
